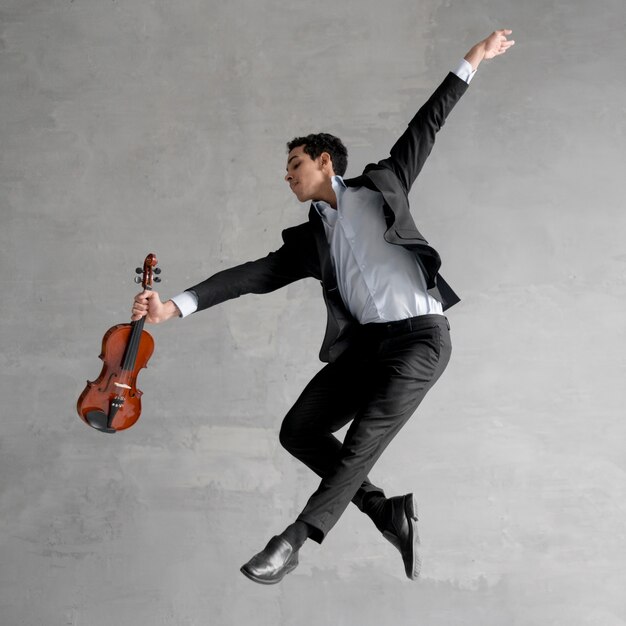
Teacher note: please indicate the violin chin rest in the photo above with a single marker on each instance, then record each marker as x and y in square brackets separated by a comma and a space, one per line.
[99, 421]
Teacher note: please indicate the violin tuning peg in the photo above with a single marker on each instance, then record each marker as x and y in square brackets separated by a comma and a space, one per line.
[137, 280]
[157, 270]
[157, 279]
[138, 270]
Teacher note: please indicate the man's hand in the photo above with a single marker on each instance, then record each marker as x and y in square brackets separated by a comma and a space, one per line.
[148, 304]
[493, 46]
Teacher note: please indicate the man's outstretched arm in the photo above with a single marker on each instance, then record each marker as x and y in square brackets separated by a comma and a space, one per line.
[289, 263]
[261, 276]
[410, 152]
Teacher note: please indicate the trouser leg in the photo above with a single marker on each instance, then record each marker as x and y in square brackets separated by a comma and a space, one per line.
[403, 369]
[328, 403]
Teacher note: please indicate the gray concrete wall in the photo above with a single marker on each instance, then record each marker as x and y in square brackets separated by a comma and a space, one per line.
[129, 127]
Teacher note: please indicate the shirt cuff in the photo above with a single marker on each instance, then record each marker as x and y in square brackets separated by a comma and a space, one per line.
[464, 71]
[187, 303]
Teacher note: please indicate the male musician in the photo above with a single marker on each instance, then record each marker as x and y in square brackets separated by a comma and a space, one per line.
[387, 340]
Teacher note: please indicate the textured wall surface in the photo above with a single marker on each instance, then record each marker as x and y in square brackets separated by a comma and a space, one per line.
[135, 126]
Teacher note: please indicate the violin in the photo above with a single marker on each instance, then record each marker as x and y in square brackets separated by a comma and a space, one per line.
[112, 402]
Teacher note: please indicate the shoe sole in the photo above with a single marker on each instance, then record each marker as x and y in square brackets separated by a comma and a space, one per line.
[413, 563]
[410, 556]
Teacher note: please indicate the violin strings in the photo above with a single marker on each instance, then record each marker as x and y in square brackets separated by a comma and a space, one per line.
[130, 356]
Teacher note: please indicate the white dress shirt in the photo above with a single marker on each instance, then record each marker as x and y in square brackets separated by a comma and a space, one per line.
[378, 281]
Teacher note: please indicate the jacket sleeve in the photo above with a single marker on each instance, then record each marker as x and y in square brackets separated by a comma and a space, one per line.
[267, 274]
[409, 153]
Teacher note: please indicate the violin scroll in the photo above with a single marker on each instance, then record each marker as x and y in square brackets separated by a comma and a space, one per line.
[147, 272]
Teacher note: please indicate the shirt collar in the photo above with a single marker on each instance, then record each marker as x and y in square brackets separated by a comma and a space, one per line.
[337, 181]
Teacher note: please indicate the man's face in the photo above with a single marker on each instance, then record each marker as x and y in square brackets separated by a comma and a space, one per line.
[307, 177]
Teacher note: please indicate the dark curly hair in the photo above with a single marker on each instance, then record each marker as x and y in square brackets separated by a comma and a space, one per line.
[317, 143]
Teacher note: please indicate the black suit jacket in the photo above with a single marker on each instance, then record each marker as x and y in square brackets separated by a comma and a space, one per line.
[305, 252]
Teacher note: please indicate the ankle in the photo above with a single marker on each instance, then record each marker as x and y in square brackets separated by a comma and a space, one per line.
[296, 534]
[374, 506]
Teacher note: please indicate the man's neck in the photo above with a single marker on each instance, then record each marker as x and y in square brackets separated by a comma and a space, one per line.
[328, 195]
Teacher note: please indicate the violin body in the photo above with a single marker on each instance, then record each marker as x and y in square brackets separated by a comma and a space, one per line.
[100, 395]
[112, 402]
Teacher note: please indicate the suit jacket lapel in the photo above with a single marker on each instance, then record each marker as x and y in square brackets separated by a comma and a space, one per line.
[340, 323]
[323, 250]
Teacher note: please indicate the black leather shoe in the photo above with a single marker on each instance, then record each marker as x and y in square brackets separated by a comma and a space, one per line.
[401, 531]
[273, 563]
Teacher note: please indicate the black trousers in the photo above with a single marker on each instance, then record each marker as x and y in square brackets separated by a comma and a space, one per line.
[376, 384]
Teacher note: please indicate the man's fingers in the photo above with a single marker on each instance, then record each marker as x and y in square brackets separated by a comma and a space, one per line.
[140, 305]
[500, 36]
[146, 296]
[138, 311]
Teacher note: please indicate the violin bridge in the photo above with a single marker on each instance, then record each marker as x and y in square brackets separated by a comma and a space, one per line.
[122, 385]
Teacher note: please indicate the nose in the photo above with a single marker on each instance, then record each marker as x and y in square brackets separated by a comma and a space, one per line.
[288, 176]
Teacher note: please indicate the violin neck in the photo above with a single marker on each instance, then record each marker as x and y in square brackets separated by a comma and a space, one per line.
[130, 355]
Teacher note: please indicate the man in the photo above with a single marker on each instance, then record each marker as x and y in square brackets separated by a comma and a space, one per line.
[387, 341]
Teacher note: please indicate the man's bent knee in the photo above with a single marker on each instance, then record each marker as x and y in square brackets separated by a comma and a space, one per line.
[288, 436]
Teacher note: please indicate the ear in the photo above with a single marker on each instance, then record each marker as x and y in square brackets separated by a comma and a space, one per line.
[326, 163]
